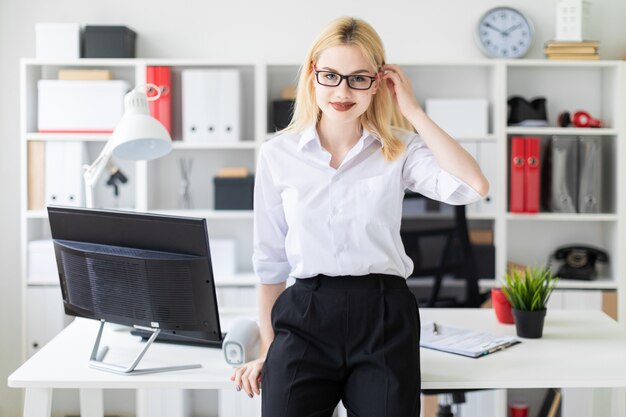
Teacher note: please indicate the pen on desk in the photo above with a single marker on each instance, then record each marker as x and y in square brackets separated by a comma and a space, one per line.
[435, 330]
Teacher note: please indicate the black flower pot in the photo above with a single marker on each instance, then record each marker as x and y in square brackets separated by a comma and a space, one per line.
[529, 324]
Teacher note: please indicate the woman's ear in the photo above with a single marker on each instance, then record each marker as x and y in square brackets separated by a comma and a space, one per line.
[376, 84]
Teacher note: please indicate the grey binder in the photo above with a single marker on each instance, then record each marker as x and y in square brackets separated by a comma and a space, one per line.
[564, 174]
[590, 174]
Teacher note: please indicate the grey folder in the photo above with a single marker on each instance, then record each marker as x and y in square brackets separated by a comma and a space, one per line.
[590, 174]
[563, 172]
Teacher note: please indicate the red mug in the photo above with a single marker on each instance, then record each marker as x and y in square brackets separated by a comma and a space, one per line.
[501, 306]
[518, 409]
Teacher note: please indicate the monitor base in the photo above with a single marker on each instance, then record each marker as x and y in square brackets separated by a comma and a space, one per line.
[98, 354]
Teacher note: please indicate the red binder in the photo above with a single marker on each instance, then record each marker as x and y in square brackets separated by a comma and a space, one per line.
[532, 168]
[517, 162]
[161, 109]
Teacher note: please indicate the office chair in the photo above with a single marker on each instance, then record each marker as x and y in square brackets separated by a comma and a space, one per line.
[438, 248]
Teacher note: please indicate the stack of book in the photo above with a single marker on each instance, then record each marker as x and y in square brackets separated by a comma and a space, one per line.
[586, 50]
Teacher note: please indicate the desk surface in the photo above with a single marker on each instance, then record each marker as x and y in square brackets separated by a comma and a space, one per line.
[579, 349]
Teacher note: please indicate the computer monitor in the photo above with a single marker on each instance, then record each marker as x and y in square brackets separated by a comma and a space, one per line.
[150, 271]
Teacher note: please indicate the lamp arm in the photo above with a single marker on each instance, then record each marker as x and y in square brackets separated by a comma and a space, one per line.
[92, 172]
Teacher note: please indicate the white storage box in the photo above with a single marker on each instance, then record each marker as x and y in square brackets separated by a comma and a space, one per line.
[57, 40]
[223, 258]
[42, 265]
[80, 106]
[573, 21]
[460, 118]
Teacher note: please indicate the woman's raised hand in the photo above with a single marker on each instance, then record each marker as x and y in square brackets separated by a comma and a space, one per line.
[401, 89]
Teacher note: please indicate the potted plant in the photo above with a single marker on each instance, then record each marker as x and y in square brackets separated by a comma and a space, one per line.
[528, 292]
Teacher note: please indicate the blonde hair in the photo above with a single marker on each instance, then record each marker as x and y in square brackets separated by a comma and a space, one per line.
[380, 115]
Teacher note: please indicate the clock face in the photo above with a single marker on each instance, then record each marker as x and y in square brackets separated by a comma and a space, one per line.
[504, 32]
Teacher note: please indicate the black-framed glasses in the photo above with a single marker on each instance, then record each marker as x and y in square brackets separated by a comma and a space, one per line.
[355, 81]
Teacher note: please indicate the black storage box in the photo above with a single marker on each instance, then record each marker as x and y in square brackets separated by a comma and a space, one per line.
[234, 193]
[108, 42]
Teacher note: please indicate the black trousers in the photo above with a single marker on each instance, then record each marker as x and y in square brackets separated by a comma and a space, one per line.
[354, 339]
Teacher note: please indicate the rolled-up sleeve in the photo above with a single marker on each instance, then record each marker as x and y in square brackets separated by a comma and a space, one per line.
[421, 173]
[269, 258]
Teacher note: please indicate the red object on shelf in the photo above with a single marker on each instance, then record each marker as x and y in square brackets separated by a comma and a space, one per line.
[532, 169]
[517, 163]
[161, 109]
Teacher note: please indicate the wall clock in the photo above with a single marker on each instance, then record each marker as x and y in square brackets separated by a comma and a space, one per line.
[504, 32]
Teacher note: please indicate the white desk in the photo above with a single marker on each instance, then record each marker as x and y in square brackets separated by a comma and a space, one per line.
[579, 349]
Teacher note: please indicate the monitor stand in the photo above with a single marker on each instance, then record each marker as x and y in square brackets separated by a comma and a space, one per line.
[98, 354]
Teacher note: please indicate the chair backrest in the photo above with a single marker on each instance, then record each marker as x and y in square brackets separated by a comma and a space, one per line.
[440, 246]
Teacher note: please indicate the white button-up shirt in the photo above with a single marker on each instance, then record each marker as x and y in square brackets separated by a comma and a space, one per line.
[310, 218]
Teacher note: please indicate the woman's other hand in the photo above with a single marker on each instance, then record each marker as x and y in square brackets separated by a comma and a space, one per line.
[248, 377]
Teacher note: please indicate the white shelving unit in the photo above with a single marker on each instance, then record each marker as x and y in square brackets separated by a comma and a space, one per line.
[598, 87]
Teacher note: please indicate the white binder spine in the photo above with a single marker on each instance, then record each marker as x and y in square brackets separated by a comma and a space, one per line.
[230, 105]
[64, 173]
[195, 105]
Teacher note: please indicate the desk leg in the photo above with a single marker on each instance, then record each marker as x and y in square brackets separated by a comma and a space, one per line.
[38, 402]
[91, 403]
[163, 403]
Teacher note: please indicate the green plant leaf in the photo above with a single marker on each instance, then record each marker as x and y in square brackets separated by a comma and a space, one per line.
[530, 290]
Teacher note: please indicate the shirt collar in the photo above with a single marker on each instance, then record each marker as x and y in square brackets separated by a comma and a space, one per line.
[310, 133]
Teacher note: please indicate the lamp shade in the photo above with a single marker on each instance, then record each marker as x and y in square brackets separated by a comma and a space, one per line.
[139, 136]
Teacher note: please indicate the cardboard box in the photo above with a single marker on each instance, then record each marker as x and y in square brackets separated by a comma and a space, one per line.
[460, 118]
[57, 40]
[80, 106]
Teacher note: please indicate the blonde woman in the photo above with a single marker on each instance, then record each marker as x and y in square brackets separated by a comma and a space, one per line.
[327, 211]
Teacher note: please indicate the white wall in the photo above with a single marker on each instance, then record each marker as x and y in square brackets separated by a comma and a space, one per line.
[257, 30]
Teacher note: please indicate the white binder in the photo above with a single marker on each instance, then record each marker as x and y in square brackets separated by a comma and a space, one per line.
[229, 105]
[212, 115]
[64, 173]
[195, 103]
[211, 101]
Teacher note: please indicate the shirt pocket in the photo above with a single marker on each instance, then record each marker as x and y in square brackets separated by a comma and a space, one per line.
[377, 202]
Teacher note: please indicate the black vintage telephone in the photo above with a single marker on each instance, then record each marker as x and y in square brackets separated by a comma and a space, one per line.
[579, 262]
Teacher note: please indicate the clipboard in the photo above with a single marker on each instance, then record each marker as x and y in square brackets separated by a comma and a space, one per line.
[465, 342]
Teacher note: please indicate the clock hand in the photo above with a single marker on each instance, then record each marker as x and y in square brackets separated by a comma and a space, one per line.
[490, 26]
[512, 28]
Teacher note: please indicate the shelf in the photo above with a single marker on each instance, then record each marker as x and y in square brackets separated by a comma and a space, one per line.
[565, 131]
[602, 283]
[83, 62]
[551, 63]
[209, 214]
[601, 217]
[85, 137]
[444, 216]
[205, 214]
[36, 214]
[244, 145]
[242, 279]
[486, 138]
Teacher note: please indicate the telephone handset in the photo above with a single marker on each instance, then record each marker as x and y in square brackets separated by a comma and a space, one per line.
[579, 262]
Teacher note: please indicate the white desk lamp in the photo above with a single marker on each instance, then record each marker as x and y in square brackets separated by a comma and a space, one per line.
[137, 137]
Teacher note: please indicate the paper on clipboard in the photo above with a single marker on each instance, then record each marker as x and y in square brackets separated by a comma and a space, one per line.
[460, 341]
